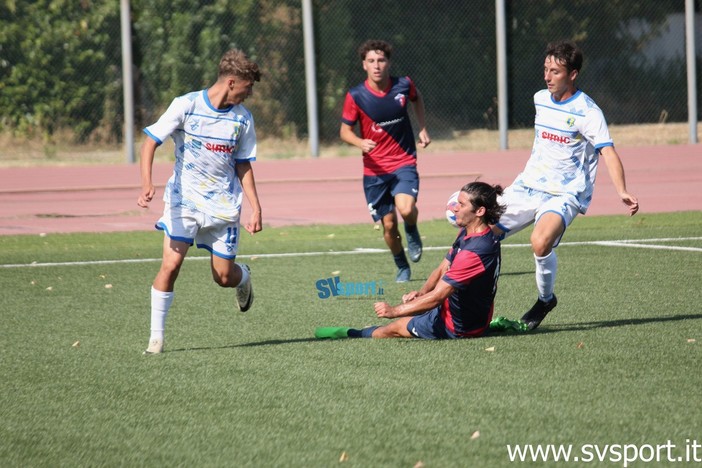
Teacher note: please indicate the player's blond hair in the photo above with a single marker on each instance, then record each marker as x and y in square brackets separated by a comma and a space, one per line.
[235, 62]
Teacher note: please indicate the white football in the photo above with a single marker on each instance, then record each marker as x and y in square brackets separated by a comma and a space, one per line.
[450, 204]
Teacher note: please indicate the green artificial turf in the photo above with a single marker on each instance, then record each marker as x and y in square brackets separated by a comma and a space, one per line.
[617, 362]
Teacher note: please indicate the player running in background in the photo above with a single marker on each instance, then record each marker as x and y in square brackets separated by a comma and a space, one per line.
[457, 299]
[215, 142]
[559, 177]
[390, 178]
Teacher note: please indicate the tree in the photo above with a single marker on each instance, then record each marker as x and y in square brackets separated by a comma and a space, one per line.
[57, 65]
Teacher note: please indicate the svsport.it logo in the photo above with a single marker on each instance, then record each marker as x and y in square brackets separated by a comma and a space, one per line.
[334, 287]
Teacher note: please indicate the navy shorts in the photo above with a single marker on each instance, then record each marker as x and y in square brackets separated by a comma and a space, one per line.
[381, 190]
[429, 326]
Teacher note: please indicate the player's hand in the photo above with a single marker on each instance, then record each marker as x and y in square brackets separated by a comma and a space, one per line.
[255, 223]
[147, 194]
[384, 310]
[424, 138]
[631, 202]
[410, 296]
[368, 145]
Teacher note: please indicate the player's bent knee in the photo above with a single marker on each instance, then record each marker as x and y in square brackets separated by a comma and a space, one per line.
[396, 329]
[541, 246]
[170, 269]
[224, 280]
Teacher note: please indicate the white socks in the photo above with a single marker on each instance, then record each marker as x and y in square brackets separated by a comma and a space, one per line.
[546, 275]
[160, 303]
[244, 276]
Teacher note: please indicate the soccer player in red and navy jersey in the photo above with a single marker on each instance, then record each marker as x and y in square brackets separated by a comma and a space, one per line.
[457, 300]
[390, 179]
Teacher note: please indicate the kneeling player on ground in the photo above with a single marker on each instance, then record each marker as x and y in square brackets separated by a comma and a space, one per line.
[458, 297]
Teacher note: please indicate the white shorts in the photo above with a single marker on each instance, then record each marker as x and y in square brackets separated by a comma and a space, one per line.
[220, 237]
[525, 206]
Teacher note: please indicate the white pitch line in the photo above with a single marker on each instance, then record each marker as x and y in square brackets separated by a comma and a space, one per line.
[632, 243]
[648, 246]
[661, 239]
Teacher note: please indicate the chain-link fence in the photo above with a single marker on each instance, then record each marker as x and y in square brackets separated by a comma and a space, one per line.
[60, 65]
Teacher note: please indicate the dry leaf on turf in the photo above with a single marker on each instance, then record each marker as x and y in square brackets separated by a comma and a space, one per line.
[580, 345]
[344, 457]
[76, 344]
[419, 464]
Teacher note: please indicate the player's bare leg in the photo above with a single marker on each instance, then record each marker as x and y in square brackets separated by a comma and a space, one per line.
[394, 329]
[162, 291]
[407, 207]
[229, 274]
[393, 239]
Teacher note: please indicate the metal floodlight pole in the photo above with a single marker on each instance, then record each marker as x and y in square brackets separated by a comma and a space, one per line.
[501, 31]
[127, 80]
[691, 69]
[310, 78]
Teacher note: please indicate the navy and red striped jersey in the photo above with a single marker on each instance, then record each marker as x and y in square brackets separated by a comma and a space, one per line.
[474, 270]
[384, 119]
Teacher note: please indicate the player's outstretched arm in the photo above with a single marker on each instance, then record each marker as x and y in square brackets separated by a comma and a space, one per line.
[148, 150]
[419, 305]
[430, 283]
[434, 277]
[616, 173]
[248, 184]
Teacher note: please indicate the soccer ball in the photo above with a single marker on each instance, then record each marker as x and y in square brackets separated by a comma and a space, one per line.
[450, 204]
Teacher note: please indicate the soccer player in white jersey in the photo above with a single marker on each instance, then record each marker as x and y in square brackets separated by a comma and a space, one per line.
[215, 143]
[559, 177]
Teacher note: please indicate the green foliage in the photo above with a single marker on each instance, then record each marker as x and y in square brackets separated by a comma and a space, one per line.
[180, 48]
[451, 59]
[60, 60]
[58, 67]
[610, 46]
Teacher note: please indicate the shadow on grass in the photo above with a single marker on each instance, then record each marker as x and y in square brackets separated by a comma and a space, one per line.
[539, 331]
[245, 345]
[615, 323]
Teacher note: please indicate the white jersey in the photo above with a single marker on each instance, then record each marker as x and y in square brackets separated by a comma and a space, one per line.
[208, 143]
[568, 137]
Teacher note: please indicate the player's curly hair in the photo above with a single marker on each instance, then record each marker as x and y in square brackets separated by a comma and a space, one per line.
[485, 195]
[566, 53]
[375, 44]
[235, 62]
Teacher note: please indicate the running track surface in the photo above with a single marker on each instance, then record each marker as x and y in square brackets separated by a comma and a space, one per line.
[36, 200]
